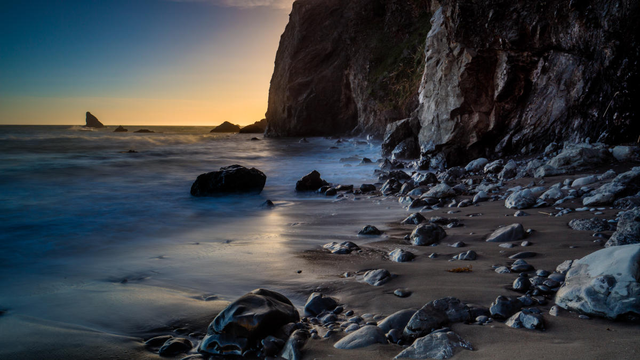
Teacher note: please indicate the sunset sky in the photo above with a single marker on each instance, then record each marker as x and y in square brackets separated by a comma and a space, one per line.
[138, 62]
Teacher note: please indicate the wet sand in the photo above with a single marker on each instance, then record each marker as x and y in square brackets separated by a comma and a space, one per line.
[156, 308]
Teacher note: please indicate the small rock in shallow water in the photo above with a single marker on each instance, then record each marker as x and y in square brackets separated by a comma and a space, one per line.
[377, 277]
[370, 230]
[528, 319]
[400, 255]
[345, 247]
[427, 234]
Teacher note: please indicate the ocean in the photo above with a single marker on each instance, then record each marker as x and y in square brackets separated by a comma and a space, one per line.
[83, 221]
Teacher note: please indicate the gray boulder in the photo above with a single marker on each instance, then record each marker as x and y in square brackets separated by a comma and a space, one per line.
[604, 283]
[427, 234]
[622, 185]
[377, 277]
[397, 320]
[476, 165]
[512, 232]
[583, 181]
[245, 322]
[293, 347]
[593, 224]
[317, 303]
[494, 167]
[628, 231]
[440, 191]
[436, 314]
[437, 345]
[522, 199]
[400, 255]
[366, 336]
[528, 319]
[580, 156]
[625, 153]
[229, 179]
[415, 219]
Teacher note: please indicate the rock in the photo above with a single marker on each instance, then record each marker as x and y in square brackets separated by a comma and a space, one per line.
[521, 284]
[367, 188]
[331, 192]
[494, 167]
[451, 175]
[513, 232]
[377, 277]
[594, 224]
[436, 314]
[401, 131]
[408, 149]
[93, 122]
[175, 346]
[608, 175]
[391, 186]
[523, 255]
[504, 307]
[229, 179]
[526, 319]
[509, 171]
[440, 191]
[520, 213]
[480, 196]
[628, 231]
[399, 255]
[427, 234]
[458, 244]
[268, 204]
[552, 194]
[604, 283]
[120, 129]
[402, 293]
[293, 347]
[245, 322]
[547, 170]
[257, 127]
[310, 182]
[437, 345]
[564, 267]
[425, 179]
[584, 181]
[144, 131]
[370, 230]
[317, 303]
[468, 255]
[415, 219]
[226, 127]
[622, 185]
[580, 156]
[625, 153]
[157, 341]
[476, 165]
[397, 320]
[502, 270]
[627, 203]
[521, 266]
[366, 336]
[522, 199]
[598, 199]
[345, 247]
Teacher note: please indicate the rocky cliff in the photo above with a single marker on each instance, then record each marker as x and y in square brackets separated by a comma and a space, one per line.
[481, 78]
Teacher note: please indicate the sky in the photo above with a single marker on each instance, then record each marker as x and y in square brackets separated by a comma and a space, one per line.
[138, 62]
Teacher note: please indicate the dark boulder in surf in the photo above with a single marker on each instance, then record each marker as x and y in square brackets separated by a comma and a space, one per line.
[257, 127]
[310, 182]
[120, 129]
[230, 179]
[93, 121]
[244, 323]
[226, 127]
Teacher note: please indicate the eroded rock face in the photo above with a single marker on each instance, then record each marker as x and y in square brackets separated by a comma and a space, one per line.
[229, 179]
[498, 76]
[246, 321]
[604, 283]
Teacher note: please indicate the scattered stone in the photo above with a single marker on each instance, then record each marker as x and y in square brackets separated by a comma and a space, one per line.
[245, 322]
[594, 224]
[480, 197]
[522, 199]
[476, 165]
[513, 232]
[427, 234]
[521, 284]
[310, 182]
[520, 213]
[458, 244]
[504, 307]
[319, 303]
[229, 179]
[437, 345]
[402, 293]
[397, 320]
[554, 311]
[377, 277]
[523, 255]
[507, 245]
[521, 266]
[604, 283]
[370, 230]
[293, 347]
[157, 342]
[415, 219]
[436, 314]
[365, 336]
[494, 167]
[400, 255]
[468, 255]
[525, 243]
[440, 191]
[628, 231]
[583, 181]
[502, 270]
[528, 319]
[345, 247]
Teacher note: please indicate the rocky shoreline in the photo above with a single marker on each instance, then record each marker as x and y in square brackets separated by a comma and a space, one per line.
[547, 245]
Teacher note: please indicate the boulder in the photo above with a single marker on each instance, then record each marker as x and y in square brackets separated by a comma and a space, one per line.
[257, 127]
[345, 247]
[494, 167]
[593, 224]
[317, 303]
[440, 191]
[440, 344]
[175, 346]
[397, 320]
[120, 129]
[580, 156]
[513, 232]
[397, 132]
[366, 336]
[528, 319]
[625, 153]
[370, 230]
[245, 322]
[436, 314]
[522, 199]
[310, 182]
[584, 181]
[628, 231]
[93, 122]
[226, 127]
[509, 171]
[622, 185]
[408, 149]
[293, 347]
[427, 234]
[467, 255]
[400, 255]
[627, 203]
[377, 277]
[476, 165]
[229, 179]
[504, 307]
[415, 219]
[604, 283]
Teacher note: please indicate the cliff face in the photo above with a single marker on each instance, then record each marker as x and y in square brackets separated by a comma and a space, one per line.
[481, 78]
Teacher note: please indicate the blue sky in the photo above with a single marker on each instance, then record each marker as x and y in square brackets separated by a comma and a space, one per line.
[137, 61]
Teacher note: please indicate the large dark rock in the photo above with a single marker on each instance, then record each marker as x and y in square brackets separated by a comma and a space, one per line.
[230, 179]
[310, 182]
[319, 303]
[257, 127]
[628, 230]
[441, 344]
[436, 314]
[226, 127]
[398, 132]
[427, 234]
[245, 322]
[497, 76]
[93, 121]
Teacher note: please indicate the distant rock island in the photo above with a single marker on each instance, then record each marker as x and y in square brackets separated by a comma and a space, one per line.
[93, 121]
[145, 131]
[226, 127]
[120, 129]
[257, 127]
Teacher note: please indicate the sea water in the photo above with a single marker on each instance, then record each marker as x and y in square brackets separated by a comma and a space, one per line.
[83, 220]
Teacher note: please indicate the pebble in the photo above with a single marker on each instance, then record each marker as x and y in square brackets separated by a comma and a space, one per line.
[554, 310]
[507, 245]
[402, 293]
[348, 313]
[503, 270]
[525, 243]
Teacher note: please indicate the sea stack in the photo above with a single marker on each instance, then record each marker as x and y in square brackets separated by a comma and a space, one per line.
[120, 129]
[93, 121]
[257, 127]
[226, 127]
